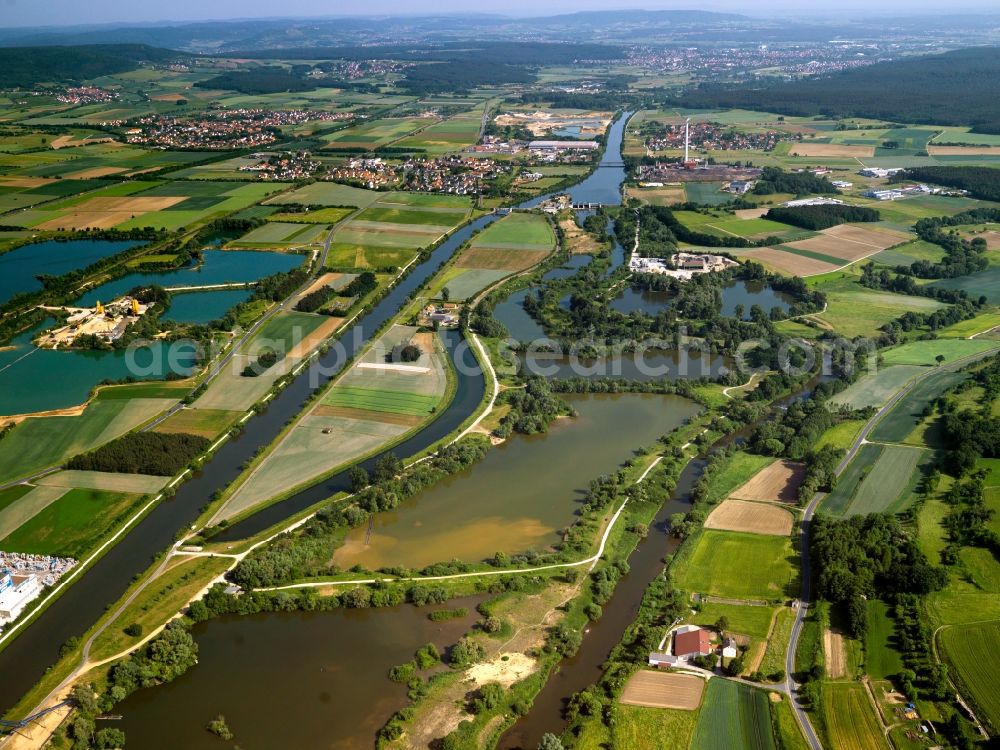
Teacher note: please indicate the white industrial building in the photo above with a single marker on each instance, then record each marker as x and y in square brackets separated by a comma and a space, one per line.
[15, 593]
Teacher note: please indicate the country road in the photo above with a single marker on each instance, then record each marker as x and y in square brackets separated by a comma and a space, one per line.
[801, 611]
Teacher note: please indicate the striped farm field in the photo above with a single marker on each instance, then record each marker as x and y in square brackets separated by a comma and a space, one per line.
[850, 718]
[880, 479]
[379, 400]
[656, 689]
[784, 260]
[754, 518]
[908, 412]
[392, 215]
[500, 259]
[974, 651]
[139, 484]
[733, 717]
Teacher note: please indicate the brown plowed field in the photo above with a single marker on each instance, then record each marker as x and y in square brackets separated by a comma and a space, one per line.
[962, 150]
[756, 518]
[778, 482]
[663, 690]
[788, 263]
[831, 149]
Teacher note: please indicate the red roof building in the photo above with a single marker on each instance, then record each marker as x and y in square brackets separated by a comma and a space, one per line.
[692, 643]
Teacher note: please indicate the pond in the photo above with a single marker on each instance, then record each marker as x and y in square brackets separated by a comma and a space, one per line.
[217, 267]
[20, 266]
[33, 379]
[204, 307]
[290, 680]
[570, 268]
[523, 493]
[745, 293]
[518, 323]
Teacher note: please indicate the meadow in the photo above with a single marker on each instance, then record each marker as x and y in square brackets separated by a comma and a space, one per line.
[737, 565]
[643, 728]
[882, 659]
[72, 525]
[927, 352]
[907, 414]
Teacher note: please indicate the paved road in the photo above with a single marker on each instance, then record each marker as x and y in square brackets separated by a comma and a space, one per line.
[791, 687]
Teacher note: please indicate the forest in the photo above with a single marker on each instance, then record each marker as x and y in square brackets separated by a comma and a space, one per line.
[775, 180]
[961, 87]
[821, 217]
[264, 80]
[29, 66]
[156, 453]
[981, 182]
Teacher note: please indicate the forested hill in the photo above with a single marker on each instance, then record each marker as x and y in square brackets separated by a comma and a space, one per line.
[28, 66]
[955, 88]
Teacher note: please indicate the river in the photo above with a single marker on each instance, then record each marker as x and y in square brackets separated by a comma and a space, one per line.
[36, 647]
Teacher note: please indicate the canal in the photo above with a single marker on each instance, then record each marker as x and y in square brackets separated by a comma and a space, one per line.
[36, 647]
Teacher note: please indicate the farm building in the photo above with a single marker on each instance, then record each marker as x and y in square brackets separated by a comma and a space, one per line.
[656, 659]
[691, 641]
[728, 649]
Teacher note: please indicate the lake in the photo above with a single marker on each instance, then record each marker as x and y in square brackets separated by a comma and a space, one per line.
[19, 266]
[217, 267]
[290, 679]
[523, 493]
[204, 307]
[33, 379]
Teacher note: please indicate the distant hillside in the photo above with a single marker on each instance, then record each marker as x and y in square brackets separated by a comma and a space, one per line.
[502, 53]
[955, 88]
[28, 66]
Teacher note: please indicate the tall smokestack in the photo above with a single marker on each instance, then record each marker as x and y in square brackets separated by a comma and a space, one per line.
[687, 138]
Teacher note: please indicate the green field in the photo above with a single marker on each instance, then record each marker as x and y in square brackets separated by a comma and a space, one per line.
[882, 660]
[641, 728]
[435, 218]
[880, 479]
[926, 352]
[71, 525]
[904, 417]
[983, 283]
[372, 399]
[850, 718]
[329, 194]
[966, 328]
[517, 229]
[350, 256]
[876, 388]
[205, 422]
[427, 200]
[777, 645]
[737, 565]
[38, 443]
[470, 281]
[974, 651]
[285, 330]
[319, 216]
[733, 717]
[853, 312]
[743, 620]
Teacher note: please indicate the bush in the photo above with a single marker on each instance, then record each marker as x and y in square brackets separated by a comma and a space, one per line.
[134, 630]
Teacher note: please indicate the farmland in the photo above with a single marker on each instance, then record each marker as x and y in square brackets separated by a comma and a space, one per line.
[733, 717]
[372, 405]
[881, 478]
[777, 482]
[850, 718]
[72, 524]
[876, 388]
[927, 352]
[908, 412]
[882, 660]
[972, 650]
[656, 689]
[756, 518]
[740, 566]
[651, 729]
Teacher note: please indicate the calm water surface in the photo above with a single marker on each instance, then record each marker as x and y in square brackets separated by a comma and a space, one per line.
[523, 493]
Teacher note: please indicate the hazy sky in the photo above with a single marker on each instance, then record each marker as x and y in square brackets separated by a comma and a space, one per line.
[63, 12]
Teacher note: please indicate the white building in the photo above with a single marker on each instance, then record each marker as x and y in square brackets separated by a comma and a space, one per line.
[813, 202]
[564, 145]
[879, 172]
[883, 195]
[15, 593]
